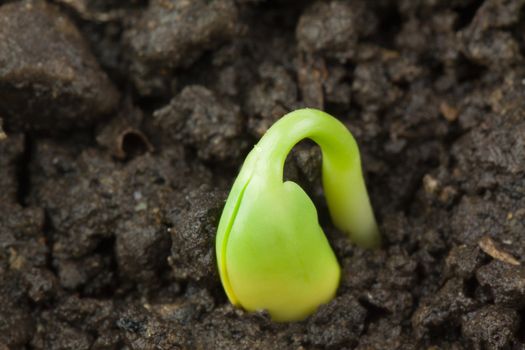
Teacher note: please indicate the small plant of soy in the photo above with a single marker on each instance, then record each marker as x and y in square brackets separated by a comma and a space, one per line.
[271, 251]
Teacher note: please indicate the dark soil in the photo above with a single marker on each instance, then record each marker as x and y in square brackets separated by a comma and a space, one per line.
[123, 124]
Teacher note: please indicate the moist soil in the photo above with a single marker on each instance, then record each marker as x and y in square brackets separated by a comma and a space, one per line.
[123, 125]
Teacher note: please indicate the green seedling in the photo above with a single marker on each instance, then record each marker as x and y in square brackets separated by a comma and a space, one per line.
[271, 251]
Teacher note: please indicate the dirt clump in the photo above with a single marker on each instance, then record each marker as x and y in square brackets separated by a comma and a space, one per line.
[49, 78]
[200, 119]
[172, 34]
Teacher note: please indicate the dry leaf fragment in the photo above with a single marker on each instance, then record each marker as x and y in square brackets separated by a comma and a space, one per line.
[3, 135]
[450, 113]
[489, 247]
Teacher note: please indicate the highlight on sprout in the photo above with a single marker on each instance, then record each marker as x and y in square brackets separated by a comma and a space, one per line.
[271, 251]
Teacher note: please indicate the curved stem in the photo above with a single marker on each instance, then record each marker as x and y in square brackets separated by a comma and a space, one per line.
[343, 181]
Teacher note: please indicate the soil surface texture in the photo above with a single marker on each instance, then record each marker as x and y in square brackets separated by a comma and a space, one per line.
[123, 126]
